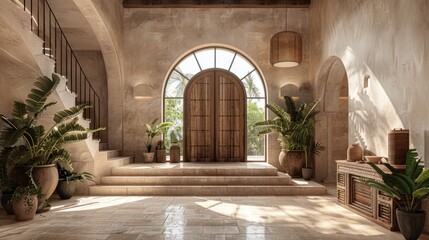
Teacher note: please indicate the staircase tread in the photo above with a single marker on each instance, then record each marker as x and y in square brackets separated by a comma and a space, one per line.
[118, 158]
[207, 186]
[110, 150]
[200, 176]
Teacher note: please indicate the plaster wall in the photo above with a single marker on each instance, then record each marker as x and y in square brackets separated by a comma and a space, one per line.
[93, 65]
[388, 41]
[157, 38]
[106, 20]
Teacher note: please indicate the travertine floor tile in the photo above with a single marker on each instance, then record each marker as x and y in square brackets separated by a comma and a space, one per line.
[214, 218]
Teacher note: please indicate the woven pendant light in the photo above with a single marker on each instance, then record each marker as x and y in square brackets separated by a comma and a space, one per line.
[286, 49]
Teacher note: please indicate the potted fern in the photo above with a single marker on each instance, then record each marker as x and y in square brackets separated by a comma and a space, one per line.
[408, 189]
[153, 130]
[68, 180]
[32, 148]
[295, 129]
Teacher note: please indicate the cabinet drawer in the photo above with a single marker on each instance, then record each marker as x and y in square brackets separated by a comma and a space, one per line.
[361, 196]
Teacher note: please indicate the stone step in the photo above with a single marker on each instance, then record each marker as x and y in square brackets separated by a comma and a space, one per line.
[308, 189]
[196, 169]
[281, 179]
[111, 153]
[122, 160]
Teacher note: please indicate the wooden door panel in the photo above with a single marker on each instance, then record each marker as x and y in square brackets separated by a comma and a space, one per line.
[198, 119]
[230, 127]
[215, 127]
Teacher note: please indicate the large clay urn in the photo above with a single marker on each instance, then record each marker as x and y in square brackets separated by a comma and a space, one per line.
[292, 162]
[46, 177]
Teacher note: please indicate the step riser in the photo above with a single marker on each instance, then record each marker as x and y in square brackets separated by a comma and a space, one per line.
[111, 153]
[195, 181]
[104, 146]
[194, 172]
[207, 191]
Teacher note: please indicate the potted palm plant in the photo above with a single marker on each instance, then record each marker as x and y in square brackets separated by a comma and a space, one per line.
[408, 189]
[68, 180]
[153, 130]
[295, 129]
[32, 148]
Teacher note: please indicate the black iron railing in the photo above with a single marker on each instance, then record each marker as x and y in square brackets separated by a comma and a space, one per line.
[57, 47]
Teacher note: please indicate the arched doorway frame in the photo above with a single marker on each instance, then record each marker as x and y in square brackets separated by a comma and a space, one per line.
[255, 68]
[332, 89]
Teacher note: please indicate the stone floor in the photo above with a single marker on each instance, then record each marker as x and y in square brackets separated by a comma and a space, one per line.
[291, 217]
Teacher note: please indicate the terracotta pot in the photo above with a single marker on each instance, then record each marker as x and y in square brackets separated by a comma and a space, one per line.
[161, 156]
[46, 177]
[25, 209]
[174, 154]
[5, 201]
[411, 223]
[292, 162]
[307, 173]
[354, 153]
[66, 189]
[148, 157]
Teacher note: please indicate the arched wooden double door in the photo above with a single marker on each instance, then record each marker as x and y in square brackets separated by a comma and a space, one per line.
[215, 118]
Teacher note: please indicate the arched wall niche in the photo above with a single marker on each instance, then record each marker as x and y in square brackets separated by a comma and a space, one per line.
[332, 121]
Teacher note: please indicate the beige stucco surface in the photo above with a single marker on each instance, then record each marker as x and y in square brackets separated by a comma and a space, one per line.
[157, 38]
[106, 20]
[93, 65]
[388, 41]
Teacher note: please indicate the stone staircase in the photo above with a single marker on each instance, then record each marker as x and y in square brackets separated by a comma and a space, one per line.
[202, 179]
[25, 48]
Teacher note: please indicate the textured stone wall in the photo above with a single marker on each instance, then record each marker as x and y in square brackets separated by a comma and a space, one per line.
[155, 39]
[389, 41]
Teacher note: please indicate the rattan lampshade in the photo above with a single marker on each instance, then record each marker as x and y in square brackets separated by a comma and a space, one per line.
[286, 49]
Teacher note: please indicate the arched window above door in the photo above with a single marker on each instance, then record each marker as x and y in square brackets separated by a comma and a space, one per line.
[225, 59]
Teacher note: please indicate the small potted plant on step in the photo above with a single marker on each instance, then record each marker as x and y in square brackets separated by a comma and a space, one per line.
[152, 131]
[161, 153]
[174, 148]
[24, 202]
[68, 180]
[408, 189]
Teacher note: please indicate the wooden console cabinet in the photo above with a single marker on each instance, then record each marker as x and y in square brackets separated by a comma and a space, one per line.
[355, 195]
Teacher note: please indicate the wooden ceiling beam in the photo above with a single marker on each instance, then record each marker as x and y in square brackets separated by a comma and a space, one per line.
[216, 3]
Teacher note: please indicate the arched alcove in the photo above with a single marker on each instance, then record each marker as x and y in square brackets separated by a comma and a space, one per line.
[332, 122]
